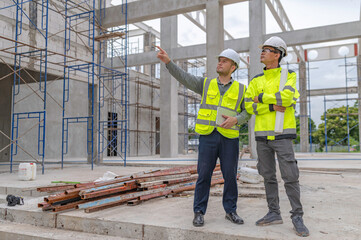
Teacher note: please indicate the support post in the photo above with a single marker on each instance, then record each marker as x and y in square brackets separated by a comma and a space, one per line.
[168, 93]
[215, 35]
[257, 29]
[303, 108]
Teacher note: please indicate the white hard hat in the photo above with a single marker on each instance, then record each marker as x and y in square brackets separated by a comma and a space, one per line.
[277, 43]
[231, 54]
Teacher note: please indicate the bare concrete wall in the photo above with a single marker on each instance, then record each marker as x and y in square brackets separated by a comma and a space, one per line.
[28, 128]
[5, 113]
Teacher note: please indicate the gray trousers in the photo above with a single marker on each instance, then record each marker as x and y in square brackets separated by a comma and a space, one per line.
[266, 166]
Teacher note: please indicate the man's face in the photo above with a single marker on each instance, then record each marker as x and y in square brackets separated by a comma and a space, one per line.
[269, 55]
[225, 66]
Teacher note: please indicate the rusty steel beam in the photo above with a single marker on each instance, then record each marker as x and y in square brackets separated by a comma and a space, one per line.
[105, 192]
[67, 206]
[97, 184]
[144, 182]
[180, 180]
[155, 187]
[55, 188]
[101, 188]
[60, 197]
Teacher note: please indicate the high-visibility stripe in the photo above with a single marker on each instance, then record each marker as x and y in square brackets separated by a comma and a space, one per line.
[213, 123]
[254, 105]
[205, 90]
[272, 133]
[208, 106]
[278, 98]
[294, 99]
[289, 88]
[240, 95]
[206, 122]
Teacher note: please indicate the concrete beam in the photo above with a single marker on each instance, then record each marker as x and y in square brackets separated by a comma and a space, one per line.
[292, 38]
[153, 9]
[332, 91]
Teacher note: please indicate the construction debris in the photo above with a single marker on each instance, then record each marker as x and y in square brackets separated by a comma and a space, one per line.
[249, 175]
[133, 189]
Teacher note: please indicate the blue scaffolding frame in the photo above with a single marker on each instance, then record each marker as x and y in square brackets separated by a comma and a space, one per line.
[117, 80]
[88, 68]
[117, 84]
[40, 54]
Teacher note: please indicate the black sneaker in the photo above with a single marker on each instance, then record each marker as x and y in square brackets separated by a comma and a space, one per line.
[198, 220]
[299, 227]
[270, 219]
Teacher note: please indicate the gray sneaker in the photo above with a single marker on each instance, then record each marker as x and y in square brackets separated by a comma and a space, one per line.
[299, 227]
[270, 219]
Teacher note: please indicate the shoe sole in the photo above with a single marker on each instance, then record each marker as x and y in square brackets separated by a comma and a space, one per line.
[232, 221]
[198, 225]
[270, 223]
[301, 234]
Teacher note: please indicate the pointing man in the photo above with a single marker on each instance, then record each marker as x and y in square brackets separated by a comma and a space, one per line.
[218, 95]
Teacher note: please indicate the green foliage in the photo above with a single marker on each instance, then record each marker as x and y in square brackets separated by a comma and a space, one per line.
[337, 127]
[313, 127]
[243, 135]
[190, 130]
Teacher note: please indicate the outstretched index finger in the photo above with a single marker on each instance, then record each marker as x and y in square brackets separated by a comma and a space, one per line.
[160, 49]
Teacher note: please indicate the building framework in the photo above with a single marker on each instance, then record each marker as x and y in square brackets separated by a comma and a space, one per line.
[73, 97]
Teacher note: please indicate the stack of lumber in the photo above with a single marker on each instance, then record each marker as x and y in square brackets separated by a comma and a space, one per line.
[133, 189]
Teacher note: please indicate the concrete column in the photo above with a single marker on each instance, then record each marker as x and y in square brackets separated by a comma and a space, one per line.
[303, 108]
[168, 93]
[149, 41]
[359, 92]
[215, 35]
[257, 29]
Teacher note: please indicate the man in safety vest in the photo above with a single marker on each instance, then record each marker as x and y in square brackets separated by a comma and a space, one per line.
[264, 98]
[221, 94]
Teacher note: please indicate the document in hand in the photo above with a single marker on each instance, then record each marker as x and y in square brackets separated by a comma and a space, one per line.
[223, 111]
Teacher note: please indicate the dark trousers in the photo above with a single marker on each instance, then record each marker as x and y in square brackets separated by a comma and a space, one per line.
[212, 147]
[266, 166]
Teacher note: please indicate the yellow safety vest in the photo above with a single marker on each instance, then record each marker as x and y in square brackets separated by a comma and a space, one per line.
[211, 100]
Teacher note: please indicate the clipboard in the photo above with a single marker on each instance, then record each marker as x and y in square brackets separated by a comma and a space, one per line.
[223, 111]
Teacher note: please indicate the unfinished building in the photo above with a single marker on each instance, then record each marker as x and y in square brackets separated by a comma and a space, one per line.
[73, 90]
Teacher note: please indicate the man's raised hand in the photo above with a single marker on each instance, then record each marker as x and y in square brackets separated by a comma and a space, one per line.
[163, 55]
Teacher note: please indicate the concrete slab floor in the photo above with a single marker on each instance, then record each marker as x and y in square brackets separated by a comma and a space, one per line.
[331, 205]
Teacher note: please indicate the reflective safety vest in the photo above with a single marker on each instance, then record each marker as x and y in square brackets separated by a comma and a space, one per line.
[211, 100]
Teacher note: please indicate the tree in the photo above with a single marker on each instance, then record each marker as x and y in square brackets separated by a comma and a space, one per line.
[243, 135]
[313, 128]
[337, 126]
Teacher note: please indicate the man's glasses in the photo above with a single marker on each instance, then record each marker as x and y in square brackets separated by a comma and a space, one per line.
[267, 50]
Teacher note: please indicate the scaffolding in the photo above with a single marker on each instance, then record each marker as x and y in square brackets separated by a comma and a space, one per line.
[113, 87]
[31, 59]
[23, 55]
[344, 117]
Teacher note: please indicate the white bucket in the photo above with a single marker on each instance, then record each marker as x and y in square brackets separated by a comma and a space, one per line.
[27, 171]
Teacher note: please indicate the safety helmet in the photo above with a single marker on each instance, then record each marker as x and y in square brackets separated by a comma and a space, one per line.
[231, 54]
[277, 43]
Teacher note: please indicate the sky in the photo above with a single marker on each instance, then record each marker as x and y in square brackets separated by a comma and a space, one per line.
[302, 14]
